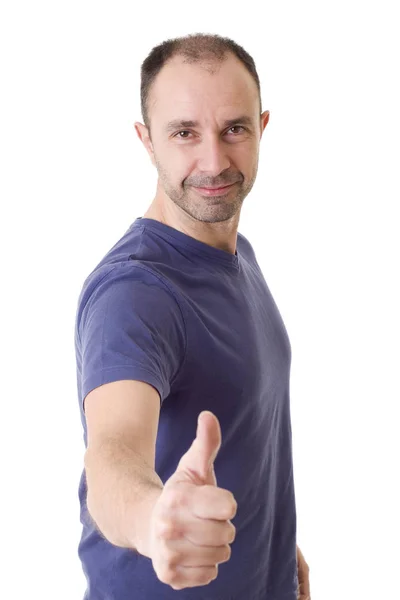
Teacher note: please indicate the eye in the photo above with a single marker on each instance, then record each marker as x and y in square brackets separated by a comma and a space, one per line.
[178, 135]
[185, 131]
[236, 127]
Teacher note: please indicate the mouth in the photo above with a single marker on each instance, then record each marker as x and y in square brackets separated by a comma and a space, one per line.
[219, 191]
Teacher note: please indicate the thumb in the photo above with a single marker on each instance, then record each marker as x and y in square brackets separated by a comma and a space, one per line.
[196, 465]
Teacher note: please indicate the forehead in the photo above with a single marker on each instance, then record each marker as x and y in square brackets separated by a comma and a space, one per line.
[211, 87]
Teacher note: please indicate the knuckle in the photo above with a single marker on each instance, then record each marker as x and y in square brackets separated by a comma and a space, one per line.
[230, 505]
[166, 529]
[231, 534]
[176, 498]
[213, 573]
[225, 554]
[166, 575]
[228, 553]
[234, 506]
[172, 559]
[175, 581]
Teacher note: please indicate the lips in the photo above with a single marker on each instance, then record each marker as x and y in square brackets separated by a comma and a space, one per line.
[214, 191]
[220, 187]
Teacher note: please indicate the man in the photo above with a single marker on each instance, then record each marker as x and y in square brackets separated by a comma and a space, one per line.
[183, 361]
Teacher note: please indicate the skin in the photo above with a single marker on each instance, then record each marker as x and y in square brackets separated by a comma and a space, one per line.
[208, 154]
[303, 570]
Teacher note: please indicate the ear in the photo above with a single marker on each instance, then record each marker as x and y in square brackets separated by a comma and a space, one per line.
[144, 136]
[263, 121]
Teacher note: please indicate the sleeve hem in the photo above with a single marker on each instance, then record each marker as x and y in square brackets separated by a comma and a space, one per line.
[111, 374]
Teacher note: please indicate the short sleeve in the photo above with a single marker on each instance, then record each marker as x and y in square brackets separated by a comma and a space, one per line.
[131, 328]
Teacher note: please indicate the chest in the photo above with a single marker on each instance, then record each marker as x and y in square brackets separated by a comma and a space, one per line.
[237, 343]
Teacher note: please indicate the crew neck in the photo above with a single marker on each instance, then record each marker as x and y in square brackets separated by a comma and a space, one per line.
[200, 248]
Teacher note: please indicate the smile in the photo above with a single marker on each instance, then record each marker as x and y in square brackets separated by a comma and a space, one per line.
[214, 191]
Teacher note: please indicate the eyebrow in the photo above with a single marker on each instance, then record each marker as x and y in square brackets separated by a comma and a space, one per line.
[181, 124]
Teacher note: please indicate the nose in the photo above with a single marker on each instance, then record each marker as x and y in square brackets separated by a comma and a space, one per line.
[212, 158]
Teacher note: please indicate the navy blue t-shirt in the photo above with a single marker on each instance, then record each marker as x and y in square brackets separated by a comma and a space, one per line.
[200, 325]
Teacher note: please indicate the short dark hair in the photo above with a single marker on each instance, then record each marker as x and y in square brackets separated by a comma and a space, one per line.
[195, 47]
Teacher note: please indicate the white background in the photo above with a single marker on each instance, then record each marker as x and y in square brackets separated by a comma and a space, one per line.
[322, 218]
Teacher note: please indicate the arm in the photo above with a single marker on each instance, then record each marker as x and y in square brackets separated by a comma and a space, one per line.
[122, 421]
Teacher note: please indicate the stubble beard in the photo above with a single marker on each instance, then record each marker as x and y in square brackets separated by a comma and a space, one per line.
[207, 209]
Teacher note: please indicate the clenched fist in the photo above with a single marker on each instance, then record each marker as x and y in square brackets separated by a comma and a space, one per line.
[190, 529]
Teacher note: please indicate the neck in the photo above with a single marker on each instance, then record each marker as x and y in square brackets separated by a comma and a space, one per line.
[221, 235]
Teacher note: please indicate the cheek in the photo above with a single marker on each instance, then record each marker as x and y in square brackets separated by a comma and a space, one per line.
[247, 162]
[172, 165]
[181, 166]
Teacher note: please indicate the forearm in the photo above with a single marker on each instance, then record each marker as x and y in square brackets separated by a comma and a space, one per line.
[122, 490]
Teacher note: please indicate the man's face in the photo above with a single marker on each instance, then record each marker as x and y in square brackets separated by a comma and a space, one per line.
[205, 133]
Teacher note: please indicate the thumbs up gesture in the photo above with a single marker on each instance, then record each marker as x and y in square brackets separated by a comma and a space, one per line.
[190, 528]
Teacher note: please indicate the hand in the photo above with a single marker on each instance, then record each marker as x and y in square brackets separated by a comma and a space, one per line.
[190, 530]
[303, 591]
